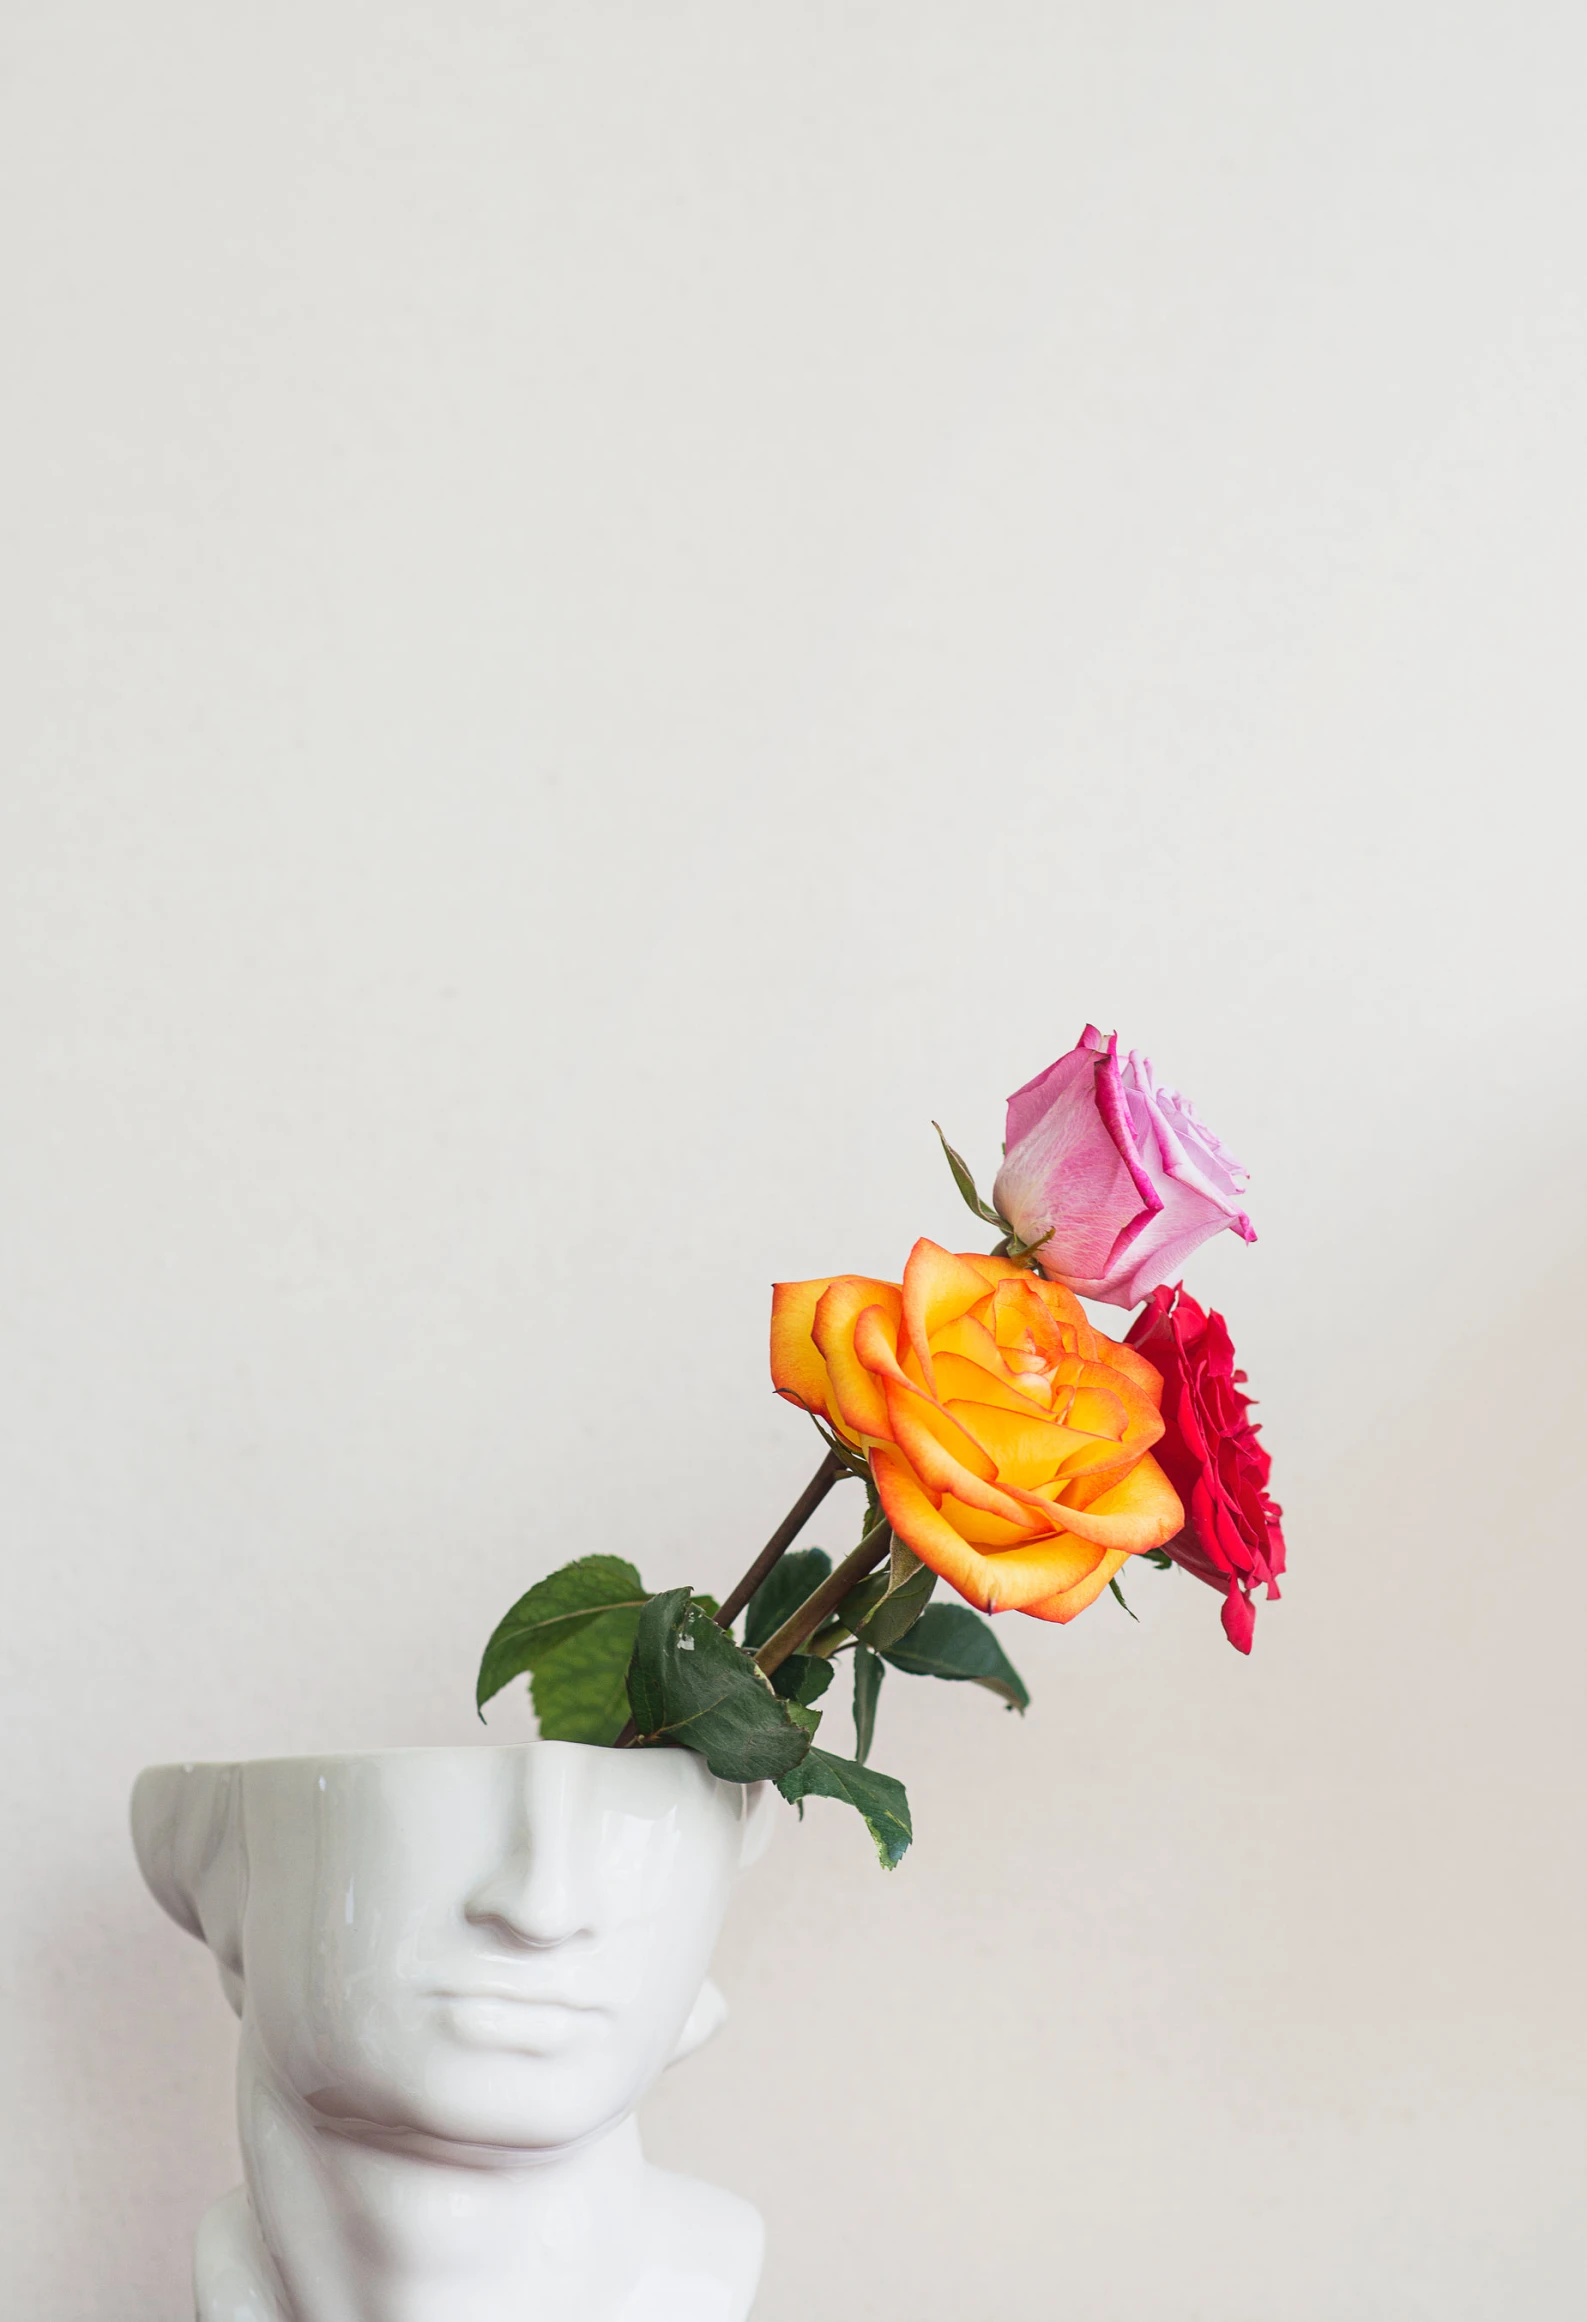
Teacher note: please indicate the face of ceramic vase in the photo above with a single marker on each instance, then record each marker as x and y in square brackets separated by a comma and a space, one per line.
[490, 1947]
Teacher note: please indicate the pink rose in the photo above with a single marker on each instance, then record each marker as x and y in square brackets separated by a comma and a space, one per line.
[1120, 1169]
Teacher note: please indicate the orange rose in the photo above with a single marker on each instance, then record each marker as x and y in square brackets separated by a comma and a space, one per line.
[1009, 1441]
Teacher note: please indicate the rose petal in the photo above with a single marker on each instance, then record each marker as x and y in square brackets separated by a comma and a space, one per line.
[938, 1288]
[1239, 1620]
[1004, 1582]
[797, 1370]
[854, 1391]
[1074, 1600]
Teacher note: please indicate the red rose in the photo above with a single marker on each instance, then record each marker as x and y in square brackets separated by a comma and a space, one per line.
[1232, 1537]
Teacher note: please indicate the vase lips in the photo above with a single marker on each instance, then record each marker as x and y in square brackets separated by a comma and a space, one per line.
[522, 2027]
[509, 1992]
[503, 2012]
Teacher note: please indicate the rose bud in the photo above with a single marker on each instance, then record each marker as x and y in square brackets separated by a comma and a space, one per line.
[1115, 1171]
[1233, 1538]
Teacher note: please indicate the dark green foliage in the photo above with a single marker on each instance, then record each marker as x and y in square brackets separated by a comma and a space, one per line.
[572, 1635]
[596, 1648]
[869, 1670]
[886, 1605]
[951, 1641]
[877, 1797]
[798, 1575]
[803, 1677]
[689, 1684]
[580, 1687]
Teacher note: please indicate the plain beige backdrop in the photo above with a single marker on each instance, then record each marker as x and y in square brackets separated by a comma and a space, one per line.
[607, 609]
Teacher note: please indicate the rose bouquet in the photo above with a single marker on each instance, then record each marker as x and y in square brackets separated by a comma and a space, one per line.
[1006, 1447]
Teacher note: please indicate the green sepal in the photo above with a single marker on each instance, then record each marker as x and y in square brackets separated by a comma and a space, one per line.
[691, 1686]
[1115, 1590]
[869, 1670]
[951, 1642]
[963, 1179]
[1023, 1253]
[567, 1635]
[794, 1577]
[853, 1462]
[877, 1797]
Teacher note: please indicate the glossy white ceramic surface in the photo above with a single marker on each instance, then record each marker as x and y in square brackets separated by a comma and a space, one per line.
[457, 1972]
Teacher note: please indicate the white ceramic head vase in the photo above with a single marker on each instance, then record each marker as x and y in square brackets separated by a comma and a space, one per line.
[457, 1972]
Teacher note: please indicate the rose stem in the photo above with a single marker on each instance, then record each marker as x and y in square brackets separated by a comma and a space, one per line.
[865, 1558]
[787, 1532]
[782, 1539]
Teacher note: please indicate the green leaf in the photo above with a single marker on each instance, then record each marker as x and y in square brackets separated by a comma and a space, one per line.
[807, 1719]
[966, 1184]
[1119, 1593]
[553, 1613]
[784, 1589]
[862, 1600]
[952, 1642]
[803, 1677]
[580, 1685]
[869, 1670]
[877, 1797]
[690, 1685]
[905, 1591]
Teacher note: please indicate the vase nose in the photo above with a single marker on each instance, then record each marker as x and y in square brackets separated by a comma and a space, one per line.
[541, 1892]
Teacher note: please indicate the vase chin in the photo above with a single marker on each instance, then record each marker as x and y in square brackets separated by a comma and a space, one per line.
[457, 1972]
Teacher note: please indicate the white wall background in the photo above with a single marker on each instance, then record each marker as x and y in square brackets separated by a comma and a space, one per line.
[608, 607]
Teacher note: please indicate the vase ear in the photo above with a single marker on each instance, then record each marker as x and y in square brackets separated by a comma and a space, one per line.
[759, 1821]
[704, 2020]
[187, 1834]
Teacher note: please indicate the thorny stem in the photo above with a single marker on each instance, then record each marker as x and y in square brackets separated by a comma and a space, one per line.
[804, 1623]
